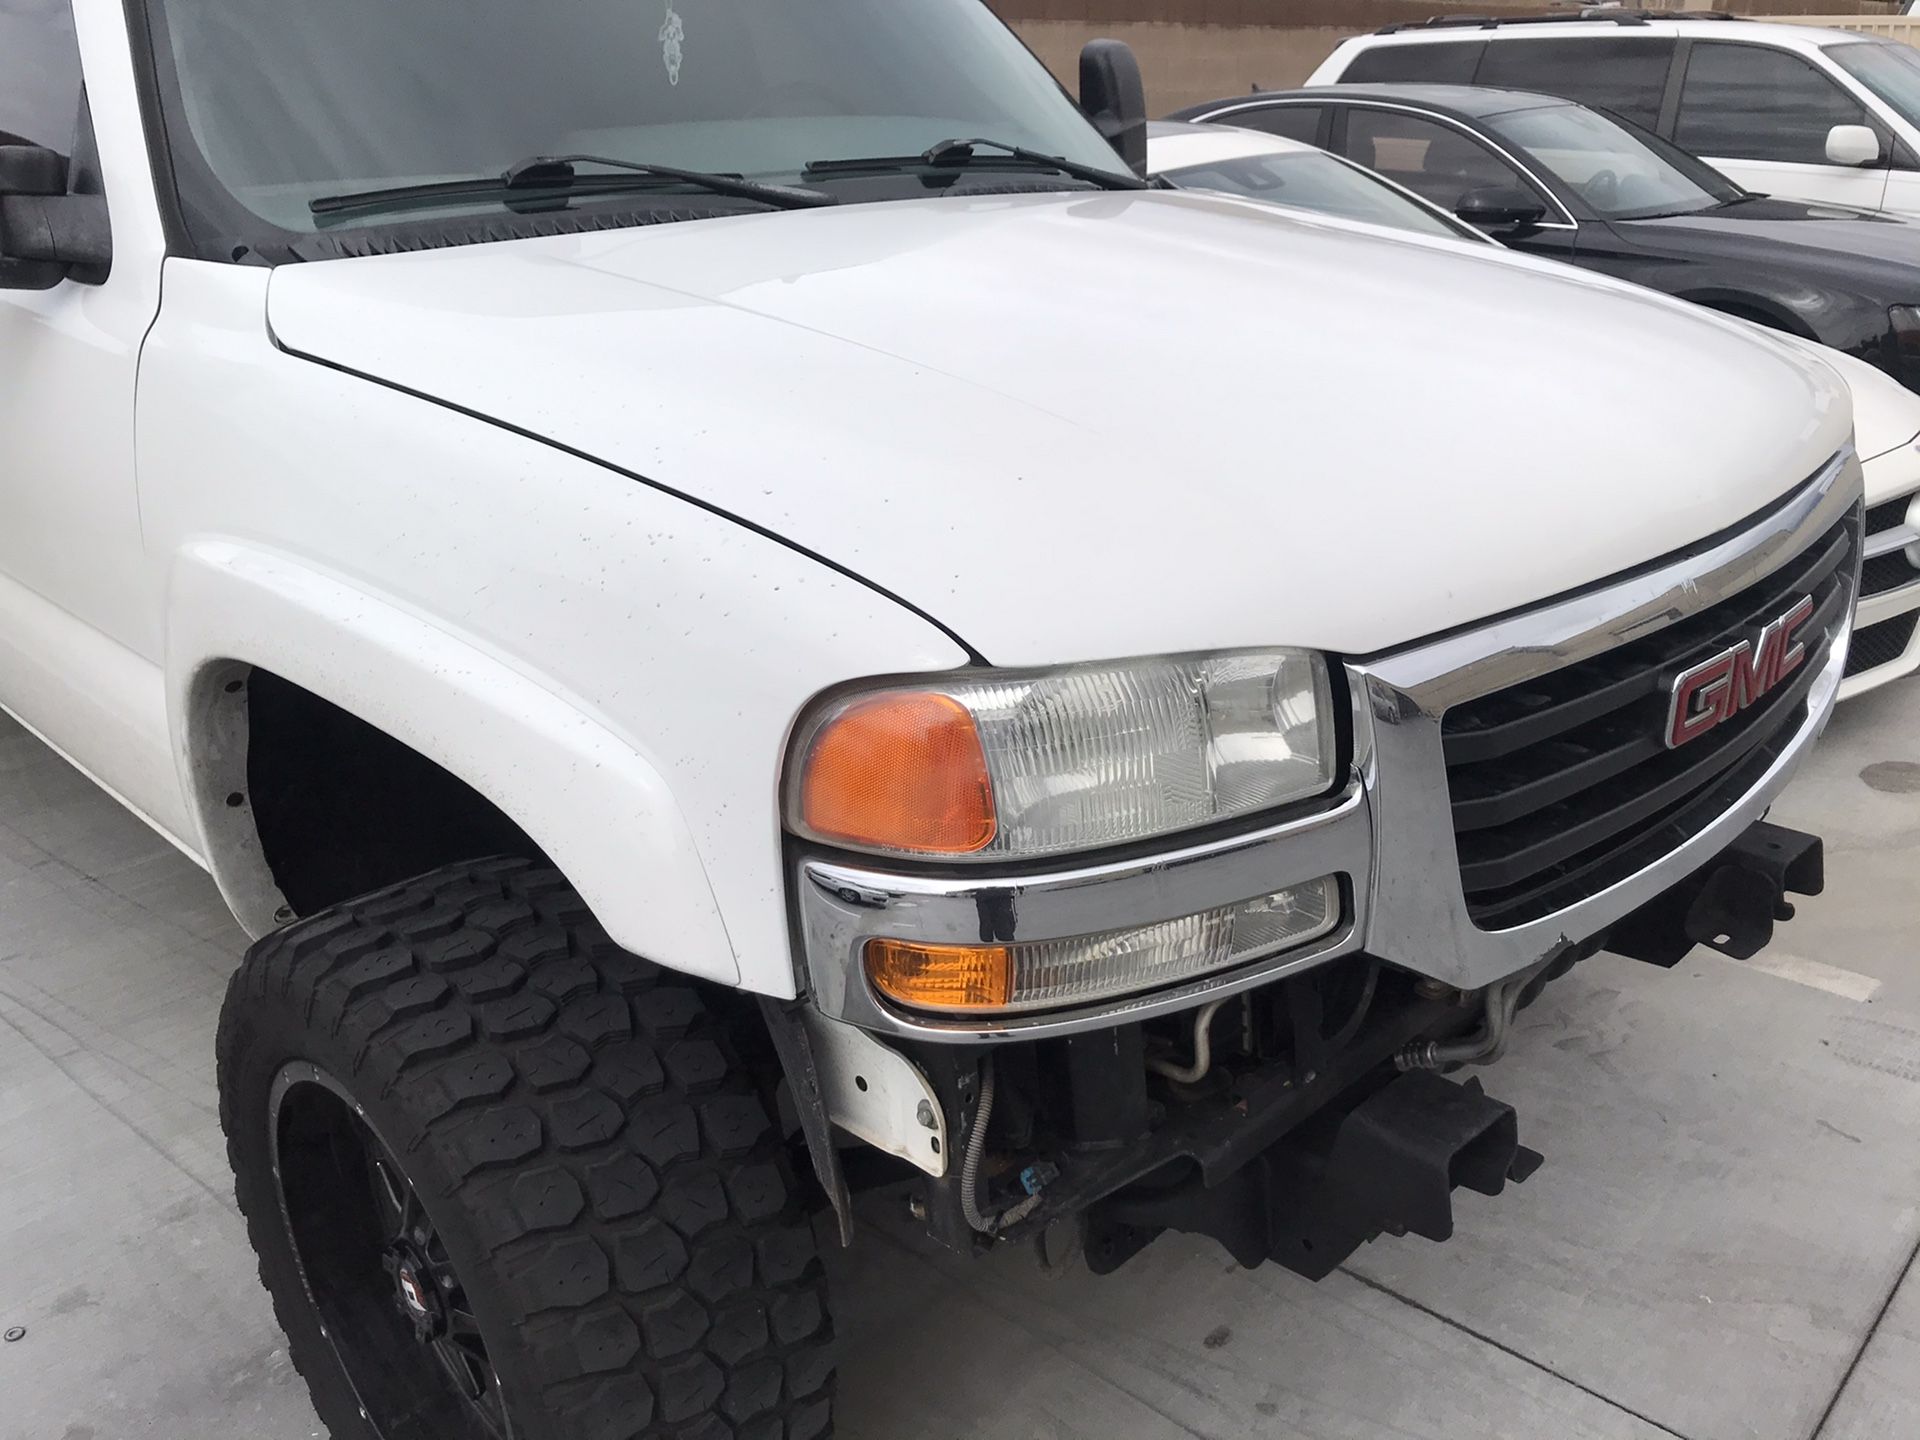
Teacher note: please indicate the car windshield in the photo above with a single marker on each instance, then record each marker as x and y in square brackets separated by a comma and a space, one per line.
[1308, 180]
[1621, 172]
[346, 96]
[1890, 71]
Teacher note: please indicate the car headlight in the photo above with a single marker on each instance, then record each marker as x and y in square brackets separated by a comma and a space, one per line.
[1041, 974]
[999, 765]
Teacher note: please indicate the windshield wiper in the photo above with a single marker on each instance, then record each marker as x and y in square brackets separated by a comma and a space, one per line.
[556, 172]
[956, 154]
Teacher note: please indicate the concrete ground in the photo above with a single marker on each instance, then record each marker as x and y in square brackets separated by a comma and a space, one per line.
[1719, 1247]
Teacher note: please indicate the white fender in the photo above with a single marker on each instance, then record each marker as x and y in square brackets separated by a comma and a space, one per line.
[543, 758]
[615, 668]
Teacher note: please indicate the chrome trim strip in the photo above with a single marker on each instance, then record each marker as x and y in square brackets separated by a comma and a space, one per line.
[1885, 542]
[1438, 676]
[1368, 102]
[843, 906]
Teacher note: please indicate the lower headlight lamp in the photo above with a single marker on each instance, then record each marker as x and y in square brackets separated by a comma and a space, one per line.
[1051, 974]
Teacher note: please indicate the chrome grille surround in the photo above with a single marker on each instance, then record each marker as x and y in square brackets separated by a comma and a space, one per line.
[1418, 915]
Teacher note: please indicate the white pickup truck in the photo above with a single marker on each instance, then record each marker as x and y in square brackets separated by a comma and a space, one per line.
[513, 492]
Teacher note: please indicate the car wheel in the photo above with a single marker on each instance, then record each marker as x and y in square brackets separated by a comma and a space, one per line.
[508, 1182]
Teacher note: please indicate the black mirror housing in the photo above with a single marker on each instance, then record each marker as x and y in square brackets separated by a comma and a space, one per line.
[1114, 98]
[1501, 207]
[32, 170]
[46, 234]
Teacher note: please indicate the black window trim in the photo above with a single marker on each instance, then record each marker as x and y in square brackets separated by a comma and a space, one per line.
[166, 189]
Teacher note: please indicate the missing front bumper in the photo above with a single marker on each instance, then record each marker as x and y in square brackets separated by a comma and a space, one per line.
[1731, 905]
[1389, 1165]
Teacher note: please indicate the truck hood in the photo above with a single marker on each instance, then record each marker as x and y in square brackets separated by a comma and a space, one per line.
[1074, 426]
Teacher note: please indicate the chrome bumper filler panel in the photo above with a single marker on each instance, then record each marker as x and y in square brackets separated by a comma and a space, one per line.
[843, 906]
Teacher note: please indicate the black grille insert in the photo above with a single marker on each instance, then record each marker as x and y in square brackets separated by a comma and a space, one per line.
[1563, 785]
[1881, 644]
[1887, 572]
[1888, 514]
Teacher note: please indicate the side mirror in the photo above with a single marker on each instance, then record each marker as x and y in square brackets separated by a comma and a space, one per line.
[1114, 98]
[46, 234]
[1854, 145]
[1500, 207]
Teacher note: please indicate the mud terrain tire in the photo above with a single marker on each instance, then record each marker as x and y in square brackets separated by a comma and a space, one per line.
[595, 1163]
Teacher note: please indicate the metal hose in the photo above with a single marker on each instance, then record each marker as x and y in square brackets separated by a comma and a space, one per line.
[970, 1167]
[1502, 1001]
[1202, 1051]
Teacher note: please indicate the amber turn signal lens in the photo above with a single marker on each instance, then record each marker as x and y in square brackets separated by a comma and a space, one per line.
[941, 977]
[903, 770]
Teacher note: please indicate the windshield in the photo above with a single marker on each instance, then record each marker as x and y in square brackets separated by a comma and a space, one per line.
[1621, 172]
[334, 96]
[1890, 71]
[1321, 183]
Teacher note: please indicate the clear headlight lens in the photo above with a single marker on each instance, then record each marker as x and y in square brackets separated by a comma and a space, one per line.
[1043, 974]
[998, 765]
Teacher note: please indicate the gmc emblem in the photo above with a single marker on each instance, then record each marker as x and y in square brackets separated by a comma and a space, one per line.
[1716, 690]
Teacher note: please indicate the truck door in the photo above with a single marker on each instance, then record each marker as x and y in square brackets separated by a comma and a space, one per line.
[80, 629]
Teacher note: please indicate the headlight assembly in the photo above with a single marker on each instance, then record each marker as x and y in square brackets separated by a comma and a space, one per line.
[1000, 765]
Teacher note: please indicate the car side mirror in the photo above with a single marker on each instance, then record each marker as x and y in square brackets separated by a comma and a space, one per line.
[1854, 145]
[1114, 98]
[46, 234]
[1500, 207]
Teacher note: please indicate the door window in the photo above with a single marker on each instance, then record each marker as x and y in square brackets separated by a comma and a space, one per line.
[1627, 75]
[1751, 102]
[1435, 161]
[1292, 122]
[39, 74]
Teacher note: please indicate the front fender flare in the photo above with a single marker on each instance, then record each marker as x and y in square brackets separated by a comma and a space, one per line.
[585, 794]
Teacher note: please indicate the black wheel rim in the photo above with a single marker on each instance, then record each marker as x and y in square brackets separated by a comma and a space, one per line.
[390, 1302]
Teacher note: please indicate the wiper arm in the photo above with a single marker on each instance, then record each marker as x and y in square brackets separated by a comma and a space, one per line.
[543, 172]
[954, 154]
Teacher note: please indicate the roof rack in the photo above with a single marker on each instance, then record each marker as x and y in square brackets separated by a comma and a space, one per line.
[1605, 14]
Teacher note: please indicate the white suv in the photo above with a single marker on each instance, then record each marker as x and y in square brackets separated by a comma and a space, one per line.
[1783, 109]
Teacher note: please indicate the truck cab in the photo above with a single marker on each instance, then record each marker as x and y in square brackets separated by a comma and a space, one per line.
[626, 541]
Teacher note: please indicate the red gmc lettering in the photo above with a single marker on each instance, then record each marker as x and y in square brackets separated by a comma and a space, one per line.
[1716, 690]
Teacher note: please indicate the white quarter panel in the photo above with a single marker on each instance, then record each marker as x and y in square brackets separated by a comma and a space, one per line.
[615, 668]
[1081, 425]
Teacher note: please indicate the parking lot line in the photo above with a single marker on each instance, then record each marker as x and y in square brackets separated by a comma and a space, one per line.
[1847, 984]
